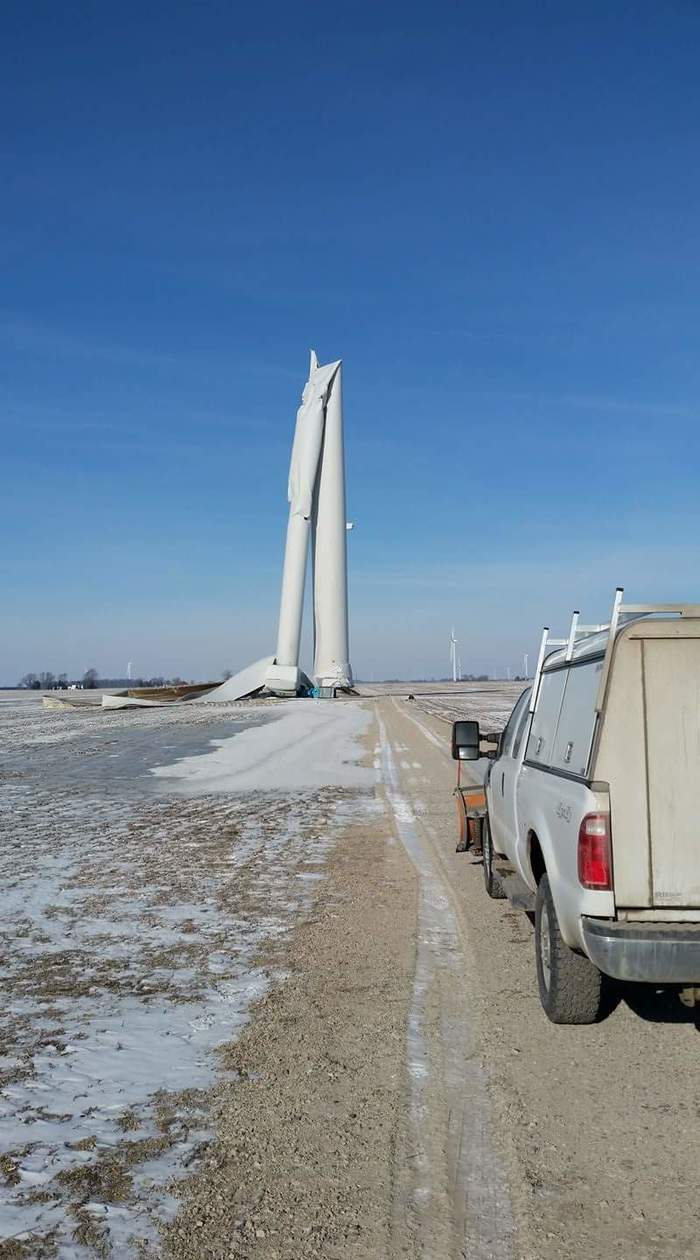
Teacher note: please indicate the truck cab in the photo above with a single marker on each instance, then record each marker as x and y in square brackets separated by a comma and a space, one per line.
[592, 803]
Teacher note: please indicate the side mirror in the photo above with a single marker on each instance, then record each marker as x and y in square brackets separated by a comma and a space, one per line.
[465, 741]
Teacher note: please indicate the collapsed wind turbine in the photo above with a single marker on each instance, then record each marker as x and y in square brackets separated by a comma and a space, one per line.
[316, 493]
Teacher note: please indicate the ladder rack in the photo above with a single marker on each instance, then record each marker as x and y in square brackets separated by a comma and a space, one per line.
[633, 610]
[578, 631]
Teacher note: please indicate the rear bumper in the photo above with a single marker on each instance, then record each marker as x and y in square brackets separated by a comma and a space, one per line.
[656, 953]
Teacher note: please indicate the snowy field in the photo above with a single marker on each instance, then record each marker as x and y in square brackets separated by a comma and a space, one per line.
[148, 858]
[489, 703]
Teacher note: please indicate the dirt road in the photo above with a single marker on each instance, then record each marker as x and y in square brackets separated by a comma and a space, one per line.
[557, 1142]
[402, 1094]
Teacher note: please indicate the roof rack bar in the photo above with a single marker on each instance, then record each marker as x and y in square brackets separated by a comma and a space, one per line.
[617, 608]
[572, 634]
[538, 671]
[545, 642]
[685, 610]
[614, 622]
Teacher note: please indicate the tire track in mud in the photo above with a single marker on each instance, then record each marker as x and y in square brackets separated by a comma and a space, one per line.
[596, 1126]
[451, 1190]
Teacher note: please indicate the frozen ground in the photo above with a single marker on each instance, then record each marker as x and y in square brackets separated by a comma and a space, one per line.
[489, 703]
[135, 907]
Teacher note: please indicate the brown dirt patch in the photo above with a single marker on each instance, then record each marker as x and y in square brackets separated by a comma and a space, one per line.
[303, 1163]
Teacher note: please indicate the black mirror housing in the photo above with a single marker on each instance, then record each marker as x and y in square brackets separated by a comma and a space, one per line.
[465, 741]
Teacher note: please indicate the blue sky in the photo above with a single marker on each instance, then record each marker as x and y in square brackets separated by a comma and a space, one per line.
[489, 211]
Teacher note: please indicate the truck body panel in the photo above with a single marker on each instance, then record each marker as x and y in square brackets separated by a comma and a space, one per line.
[615, 733]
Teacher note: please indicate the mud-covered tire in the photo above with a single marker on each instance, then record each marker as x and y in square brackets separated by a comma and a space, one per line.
[492, 880]
[474, 833]
[569, 984]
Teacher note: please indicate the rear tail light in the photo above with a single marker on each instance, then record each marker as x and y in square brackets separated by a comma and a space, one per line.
[594, 858]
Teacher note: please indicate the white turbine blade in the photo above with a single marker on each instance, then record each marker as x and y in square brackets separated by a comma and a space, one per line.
[303, 473]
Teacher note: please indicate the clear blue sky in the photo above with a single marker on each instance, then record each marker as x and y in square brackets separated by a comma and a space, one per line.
[489, 211]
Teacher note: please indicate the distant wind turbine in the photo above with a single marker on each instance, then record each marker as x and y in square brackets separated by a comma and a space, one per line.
[453, 654]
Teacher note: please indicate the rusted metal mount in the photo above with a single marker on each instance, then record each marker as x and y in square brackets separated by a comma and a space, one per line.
[471, 811]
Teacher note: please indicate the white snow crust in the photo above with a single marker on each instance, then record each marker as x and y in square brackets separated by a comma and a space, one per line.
[312, 744]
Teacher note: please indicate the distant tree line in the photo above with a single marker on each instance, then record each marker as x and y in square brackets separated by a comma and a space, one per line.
[46, 681]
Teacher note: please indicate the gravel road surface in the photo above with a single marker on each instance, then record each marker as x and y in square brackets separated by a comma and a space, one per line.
[275, 1025]
[595, 1128]
[404, 1095]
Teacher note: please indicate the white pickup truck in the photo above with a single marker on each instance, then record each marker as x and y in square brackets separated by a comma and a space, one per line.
[593, 806]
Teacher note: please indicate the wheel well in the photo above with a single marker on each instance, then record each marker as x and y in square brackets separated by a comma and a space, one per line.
[537, 865]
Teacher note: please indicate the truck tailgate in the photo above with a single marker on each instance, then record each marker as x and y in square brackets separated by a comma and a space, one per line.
[671, 677]
[649, 753]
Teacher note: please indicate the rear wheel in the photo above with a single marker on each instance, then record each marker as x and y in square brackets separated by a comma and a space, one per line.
[492, 880]
[570, 986]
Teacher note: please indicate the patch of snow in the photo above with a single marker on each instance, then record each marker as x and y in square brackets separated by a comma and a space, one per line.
[312, 744]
